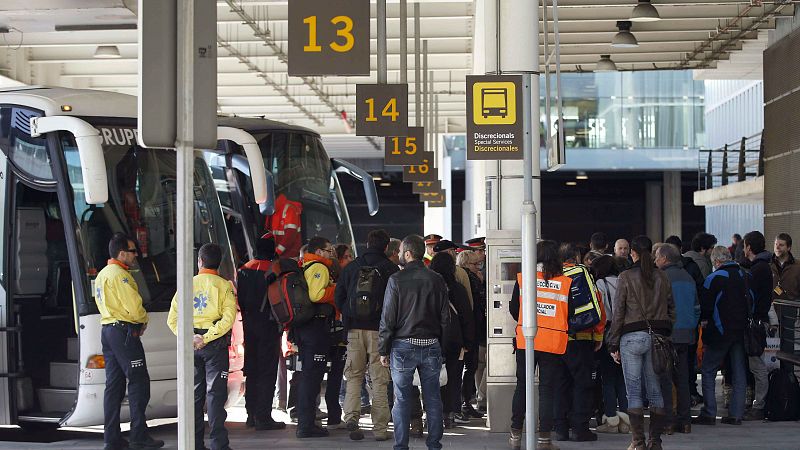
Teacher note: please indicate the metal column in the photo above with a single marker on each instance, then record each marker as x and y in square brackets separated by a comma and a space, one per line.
[381, 10]
[418, 116]
[184, 146]
[403, 41]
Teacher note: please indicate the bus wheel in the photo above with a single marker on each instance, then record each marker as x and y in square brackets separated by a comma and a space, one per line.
[38, 427]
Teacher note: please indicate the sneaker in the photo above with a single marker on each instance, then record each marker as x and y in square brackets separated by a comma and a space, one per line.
[355, 432]
[731, 421]
[321, 414]
[313, 432]
[704, 420]
[461, 419]
[416, 428]
[147, 444]
[515, 439]
[470, 412]
[366, 410]
[122, 444]
[754, 414]
[381, 436]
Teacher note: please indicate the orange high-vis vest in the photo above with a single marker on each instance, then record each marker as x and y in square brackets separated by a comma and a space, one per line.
[552, 310]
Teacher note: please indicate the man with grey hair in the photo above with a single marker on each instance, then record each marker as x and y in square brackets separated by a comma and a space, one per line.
[414, 322]
[724, 305]
[393, 251]
[687, 315]
[622, 248]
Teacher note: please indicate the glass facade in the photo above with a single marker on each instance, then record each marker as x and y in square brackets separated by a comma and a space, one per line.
[655, 109]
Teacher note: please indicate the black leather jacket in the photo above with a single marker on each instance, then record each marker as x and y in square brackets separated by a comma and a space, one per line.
[415, 306]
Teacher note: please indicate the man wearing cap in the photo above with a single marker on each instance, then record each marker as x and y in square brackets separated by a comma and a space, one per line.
[430, 241]
[478, 245]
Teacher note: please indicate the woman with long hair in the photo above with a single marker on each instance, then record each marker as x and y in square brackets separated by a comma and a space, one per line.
[643, 306]
[457, 341]
[552, 292]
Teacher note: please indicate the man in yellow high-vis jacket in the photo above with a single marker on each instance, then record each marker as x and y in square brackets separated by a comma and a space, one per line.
[214, 310]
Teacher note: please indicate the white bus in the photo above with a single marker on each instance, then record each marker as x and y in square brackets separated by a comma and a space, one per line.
[72, 174]
[298, 167]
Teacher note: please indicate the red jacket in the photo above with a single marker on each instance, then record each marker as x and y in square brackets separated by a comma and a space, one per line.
[285, 226]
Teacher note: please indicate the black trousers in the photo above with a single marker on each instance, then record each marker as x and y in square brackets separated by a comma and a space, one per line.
[337, 355]
[125, 364]
[575, 389]
[313, 339]
[211, 386]
[518, 402]
[451, 392]
[468, 387]
[262, 347]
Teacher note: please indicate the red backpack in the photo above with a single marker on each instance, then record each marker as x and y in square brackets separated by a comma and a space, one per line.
[288, 296]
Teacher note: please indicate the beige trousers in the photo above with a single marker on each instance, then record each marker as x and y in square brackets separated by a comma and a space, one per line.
[362, 353]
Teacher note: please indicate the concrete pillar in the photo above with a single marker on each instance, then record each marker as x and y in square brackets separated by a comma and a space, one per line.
[653, 214]
[673, 219]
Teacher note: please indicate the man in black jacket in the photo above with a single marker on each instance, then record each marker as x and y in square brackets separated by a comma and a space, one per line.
[755, 251]
[724, 302]
[262, 336]
[413, 323]
[362, 338]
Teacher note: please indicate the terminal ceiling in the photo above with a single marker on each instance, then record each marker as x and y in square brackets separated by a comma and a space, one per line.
[53, 42]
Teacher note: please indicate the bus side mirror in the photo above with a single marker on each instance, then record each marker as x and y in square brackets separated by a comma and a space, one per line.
[90, 152]
[241, 164]
[254, 160]
[366, 179]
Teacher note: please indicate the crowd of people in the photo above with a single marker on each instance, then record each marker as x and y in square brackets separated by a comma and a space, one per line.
[658, 309]
[401, 330]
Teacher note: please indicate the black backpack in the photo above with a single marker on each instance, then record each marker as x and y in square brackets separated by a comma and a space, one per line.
[783, 397]
[370, 287]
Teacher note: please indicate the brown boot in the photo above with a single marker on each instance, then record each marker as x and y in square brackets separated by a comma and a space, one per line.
[657, 421]
[637, 429]
[544, 443]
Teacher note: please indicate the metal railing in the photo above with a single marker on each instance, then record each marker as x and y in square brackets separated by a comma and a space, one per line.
[789, 319]
[733, 162]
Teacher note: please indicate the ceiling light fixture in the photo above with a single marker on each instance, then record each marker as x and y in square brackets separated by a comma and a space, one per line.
[571, 183]
[644, 11]
[582, 176]
[605, 64]
[107, 52]
[624, 39]
[386, 184]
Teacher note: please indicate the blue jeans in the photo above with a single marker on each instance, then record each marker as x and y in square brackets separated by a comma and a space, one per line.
[713, 355]
[405, 359]
[637, 362]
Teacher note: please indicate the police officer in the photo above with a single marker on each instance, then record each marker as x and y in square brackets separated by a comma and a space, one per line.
[262, 336]
[214, 310]
[313, 337]
[124, 321]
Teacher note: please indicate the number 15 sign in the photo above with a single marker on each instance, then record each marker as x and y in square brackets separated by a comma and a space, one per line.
[328, 38]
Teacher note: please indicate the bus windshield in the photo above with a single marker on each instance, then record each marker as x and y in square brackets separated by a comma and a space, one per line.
[142, 204]
[303, 173]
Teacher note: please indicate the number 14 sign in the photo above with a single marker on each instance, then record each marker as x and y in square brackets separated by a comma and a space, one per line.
[381, 110]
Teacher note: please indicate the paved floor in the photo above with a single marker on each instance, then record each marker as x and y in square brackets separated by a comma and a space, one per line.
[751, 435]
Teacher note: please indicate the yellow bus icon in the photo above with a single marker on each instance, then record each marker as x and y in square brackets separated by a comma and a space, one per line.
[494, 103]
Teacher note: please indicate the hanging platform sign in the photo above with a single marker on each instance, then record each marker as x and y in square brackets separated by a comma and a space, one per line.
[382, 110]
[423, 171]
[405, 150]
[434, 199]
[494, 117]
[328, 38]
[420, 187]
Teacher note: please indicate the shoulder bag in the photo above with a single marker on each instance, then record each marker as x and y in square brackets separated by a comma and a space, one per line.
[661, 349]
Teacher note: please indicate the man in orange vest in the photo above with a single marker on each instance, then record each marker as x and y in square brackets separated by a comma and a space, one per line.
[285, 227]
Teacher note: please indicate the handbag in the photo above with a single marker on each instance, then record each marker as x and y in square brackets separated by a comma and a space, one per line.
[662, 353]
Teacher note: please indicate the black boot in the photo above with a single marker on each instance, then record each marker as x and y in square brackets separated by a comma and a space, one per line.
[637, 429]
[657, 422]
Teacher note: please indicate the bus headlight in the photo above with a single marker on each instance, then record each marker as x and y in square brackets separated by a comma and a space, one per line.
[96, 362]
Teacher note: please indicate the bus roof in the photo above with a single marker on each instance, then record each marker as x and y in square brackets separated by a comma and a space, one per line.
[83, 102]
[255, 125]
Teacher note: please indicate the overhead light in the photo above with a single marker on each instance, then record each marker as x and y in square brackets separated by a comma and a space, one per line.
[644, 11]
[605, 64]
[376, 178]
[571, 183]
[624, 39]
[386, 184]
[582, 176]
[107, 52]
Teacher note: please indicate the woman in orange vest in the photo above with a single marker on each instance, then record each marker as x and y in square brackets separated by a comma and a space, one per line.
[550, 342]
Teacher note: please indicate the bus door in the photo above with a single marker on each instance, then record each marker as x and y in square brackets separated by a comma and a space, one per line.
[6, 326]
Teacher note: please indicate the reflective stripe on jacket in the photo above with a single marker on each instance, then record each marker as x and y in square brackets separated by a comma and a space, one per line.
[285, 226]
[552, 310]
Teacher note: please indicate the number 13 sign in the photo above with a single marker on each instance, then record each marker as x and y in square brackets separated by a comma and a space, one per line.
[328, 38]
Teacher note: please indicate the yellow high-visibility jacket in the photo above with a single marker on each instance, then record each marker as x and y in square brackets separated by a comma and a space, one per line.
[213, 305]
[117, 295]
